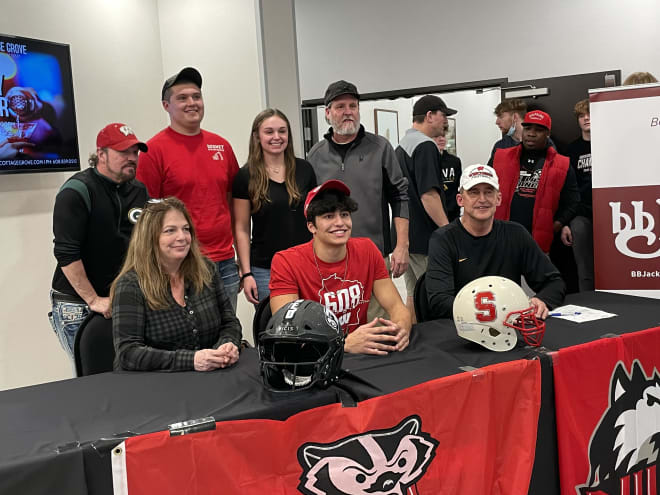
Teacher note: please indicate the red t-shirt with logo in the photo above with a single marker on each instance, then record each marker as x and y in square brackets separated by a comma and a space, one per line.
[199, 170]
[343, 287]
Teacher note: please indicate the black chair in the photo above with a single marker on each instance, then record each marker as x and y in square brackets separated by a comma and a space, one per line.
[421, 300]
[93, 348]
[261, 317]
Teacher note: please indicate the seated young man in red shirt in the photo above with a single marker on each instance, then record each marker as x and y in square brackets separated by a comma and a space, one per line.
[342, 274]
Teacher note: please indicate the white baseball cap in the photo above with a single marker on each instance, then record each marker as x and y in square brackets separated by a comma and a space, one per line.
[479, 174]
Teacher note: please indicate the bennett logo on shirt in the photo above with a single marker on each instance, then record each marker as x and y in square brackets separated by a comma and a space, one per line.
[217, 150]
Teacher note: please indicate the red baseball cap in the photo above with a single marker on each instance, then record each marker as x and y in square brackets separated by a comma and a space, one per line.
[539, 118]
[118, 137]
[337, 185]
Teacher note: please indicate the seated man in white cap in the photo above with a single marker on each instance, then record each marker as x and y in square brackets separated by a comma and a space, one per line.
[476, 245]
[342, 273]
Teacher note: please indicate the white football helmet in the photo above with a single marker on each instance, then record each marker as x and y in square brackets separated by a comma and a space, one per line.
[489, 310]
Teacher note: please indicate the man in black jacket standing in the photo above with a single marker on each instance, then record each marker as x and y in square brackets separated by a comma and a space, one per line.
[93, 218]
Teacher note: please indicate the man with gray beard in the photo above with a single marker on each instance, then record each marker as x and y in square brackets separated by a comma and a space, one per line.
[366, 163]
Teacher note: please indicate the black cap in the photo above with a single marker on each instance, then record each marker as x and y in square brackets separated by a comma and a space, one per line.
[339, 88]
[187, 74]
[431, 103]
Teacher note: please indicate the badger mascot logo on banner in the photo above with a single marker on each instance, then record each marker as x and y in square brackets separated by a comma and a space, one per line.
[378, 462]
[623, 450]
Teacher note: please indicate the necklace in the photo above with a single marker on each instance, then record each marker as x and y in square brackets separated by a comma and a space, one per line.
[273, 169]
[318, 269]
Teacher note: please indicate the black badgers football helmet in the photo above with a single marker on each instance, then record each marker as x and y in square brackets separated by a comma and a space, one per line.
[301, 347]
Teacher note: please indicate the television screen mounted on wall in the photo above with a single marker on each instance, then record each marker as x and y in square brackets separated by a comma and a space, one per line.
[37, 113]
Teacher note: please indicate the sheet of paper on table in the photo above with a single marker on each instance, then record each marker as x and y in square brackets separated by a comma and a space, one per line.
[570, 313]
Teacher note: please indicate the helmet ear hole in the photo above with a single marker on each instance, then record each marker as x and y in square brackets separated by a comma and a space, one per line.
[493, 332]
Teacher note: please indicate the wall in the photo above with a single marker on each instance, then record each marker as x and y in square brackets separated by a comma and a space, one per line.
[281, 63]
[476, 131]
[116, 63]
[219, 38]
[475, 123]
[384, 45]
[120, 52]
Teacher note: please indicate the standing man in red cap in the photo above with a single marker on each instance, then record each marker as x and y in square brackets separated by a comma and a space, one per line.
[342, 273]
[93, 218]
[539, 189]
[198, 167]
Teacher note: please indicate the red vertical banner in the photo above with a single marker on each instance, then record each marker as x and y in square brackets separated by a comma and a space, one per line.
[607, 396]
[472, 433]
[626, 188]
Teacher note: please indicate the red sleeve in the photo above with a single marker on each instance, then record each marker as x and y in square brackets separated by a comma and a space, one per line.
[150, 172]
[282, 278]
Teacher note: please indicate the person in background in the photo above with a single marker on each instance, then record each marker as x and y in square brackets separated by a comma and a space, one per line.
[170, 309]
[579, 232]
[450, 170]
[510, 114]
[640, 78]
[537, 184]
[268, 195]
[420, 162]
[94, 214]
[198, 167]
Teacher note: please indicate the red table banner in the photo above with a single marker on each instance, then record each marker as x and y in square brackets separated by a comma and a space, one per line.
[471, 433]
[607, 396]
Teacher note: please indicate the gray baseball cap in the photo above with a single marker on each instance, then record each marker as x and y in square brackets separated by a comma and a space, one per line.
[187, 74]
[339, 88]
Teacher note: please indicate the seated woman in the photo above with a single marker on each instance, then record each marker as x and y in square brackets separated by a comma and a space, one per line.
[169, 307]
[269, 192]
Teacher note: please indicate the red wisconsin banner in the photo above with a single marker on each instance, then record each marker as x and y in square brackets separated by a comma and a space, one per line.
[472, 433]
[607, 396]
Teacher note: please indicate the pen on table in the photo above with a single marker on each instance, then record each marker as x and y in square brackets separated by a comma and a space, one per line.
[570, 313]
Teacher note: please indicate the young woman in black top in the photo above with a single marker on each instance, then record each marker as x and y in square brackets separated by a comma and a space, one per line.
[268, 195]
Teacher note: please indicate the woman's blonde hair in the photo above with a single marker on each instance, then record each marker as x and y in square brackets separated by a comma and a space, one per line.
[144, 256]
[258, 184]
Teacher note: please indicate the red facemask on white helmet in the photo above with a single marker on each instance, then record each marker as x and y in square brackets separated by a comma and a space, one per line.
[489, 310]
